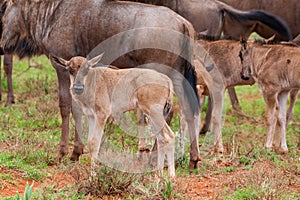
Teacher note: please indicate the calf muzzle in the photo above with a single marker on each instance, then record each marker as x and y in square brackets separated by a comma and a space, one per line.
[78, 89]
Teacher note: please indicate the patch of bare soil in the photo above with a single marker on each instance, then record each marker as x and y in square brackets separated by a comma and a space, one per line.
[208, 185]
[9, 186]
[13, 182]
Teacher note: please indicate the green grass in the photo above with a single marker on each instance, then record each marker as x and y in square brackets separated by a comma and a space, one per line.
[30, 134]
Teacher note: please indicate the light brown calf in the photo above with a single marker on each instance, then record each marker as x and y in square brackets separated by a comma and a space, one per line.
[276, 69]
[111, 92]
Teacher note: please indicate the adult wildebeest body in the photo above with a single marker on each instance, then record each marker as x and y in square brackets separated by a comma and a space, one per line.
[111, 92]
[211, 18]
[276, 70]
[68, 28]
[288, 10]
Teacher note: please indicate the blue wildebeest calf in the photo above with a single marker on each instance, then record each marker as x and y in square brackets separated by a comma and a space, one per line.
[109, 92]
[276, 69]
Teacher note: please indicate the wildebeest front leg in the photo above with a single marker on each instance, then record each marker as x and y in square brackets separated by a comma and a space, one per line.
[65, 101]
[78, 145]
[8, 67]
[96, 128]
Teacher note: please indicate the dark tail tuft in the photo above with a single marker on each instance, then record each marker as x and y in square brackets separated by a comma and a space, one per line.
[190, 81]
[264, 17]
[167, 108]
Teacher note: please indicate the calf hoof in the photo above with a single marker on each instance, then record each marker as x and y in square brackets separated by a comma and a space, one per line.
[281, 150]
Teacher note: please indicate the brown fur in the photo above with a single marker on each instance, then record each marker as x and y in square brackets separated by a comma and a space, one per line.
[276, 69]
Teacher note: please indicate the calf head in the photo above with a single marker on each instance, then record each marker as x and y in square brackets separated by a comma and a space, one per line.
[244, 55]
[78, 68]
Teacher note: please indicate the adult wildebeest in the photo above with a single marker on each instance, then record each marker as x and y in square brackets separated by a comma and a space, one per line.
[111, 92]
[275, 68]
[211, 18]
[288, 10]
[68, 28]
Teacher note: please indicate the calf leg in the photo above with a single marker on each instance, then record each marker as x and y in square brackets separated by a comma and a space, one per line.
[78, 144]
[207, 121]
[271, 102]
[144, 138]
[183, 130]
[165, 139]
[233, 98]
[293, 99]
[280, 134]
[216, 124]
[96, 128]
[8, 67]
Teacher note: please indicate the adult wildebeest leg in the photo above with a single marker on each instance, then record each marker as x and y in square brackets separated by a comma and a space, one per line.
[271, 101]
[280, 133]
[233, 98]
[65, 101]
[8, 67]
[191, 119]
[293, 100]
[78, 145]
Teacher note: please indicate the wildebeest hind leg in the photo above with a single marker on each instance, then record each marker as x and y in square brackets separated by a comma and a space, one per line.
[280, 132]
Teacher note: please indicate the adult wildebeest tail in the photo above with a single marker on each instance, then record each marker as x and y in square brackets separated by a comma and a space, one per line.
[260, 18]
[190, 82]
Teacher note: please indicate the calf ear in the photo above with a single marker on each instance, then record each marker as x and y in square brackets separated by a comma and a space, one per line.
[94, 61]
[58, 63]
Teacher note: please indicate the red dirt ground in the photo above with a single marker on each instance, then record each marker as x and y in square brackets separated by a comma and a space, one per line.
[192, 186]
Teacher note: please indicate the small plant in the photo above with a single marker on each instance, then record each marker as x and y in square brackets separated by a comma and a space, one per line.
[229, 169]
[27, 193]
[167, 191]
[108, 181]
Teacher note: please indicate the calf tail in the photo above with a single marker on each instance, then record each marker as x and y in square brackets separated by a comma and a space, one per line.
[167, 108]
